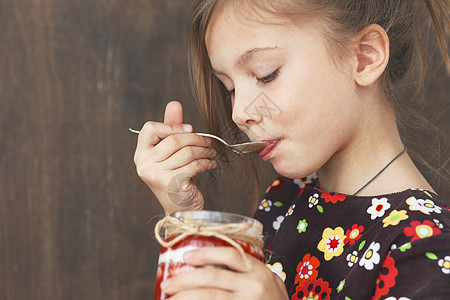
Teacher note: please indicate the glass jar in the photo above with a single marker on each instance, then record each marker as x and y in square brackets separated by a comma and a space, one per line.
[170, 263]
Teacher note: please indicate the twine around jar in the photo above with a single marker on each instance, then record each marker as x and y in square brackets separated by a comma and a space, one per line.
[229, 233]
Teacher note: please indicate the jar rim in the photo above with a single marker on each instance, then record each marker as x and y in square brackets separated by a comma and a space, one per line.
[216, 218]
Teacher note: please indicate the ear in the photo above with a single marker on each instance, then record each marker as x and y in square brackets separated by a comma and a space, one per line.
[372, 53]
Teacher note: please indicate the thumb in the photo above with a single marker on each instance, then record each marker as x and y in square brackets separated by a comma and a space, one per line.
[174, 113]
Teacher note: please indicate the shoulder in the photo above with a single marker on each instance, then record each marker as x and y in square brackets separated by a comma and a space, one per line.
[420, 252]
[418, 215]
[401, 213]
[415, 206]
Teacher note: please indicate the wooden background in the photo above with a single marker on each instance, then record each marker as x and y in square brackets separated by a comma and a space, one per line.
[75, 220]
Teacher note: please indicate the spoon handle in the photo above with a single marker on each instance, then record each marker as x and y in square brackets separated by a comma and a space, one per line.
[202, 134]
[214, 137]
[243, 148]
[134, 131]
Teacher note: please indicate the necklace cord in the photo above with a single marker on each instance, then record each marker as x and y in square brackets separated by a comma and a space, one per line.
[381, 171]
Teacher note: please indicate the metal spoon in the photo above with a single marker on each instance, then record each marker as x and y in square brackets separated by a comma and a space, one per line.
[242, 148]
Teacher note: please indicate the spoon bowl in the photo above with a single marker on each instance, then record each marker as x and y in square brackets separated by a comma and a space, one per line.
[241, 148]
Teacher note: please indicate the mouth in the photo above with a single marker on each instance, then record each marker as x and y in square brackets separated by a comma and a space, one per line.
[267, 151]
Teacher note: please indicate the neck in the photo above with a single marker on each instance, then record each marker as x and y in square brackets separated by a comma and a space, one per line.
[373, 145]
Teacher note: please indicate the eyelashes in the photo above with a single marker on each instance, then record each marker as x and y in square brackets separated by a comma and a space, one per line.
[262, 81]
[269, 78]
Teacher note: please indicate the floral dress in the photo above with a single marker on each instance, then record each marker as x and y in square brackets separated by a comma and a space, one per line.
[334, 246]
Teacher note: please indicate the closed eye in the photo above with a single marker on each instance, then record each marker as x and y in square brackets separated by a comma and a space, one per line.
[269, 78]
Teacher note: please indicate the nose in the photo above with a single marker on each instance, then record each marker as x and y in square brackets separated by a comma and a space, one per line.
[245, 109]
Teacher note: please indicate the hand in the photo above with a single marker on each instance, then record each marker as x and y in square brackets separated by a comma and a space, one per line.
[215, 283]
[168, 155]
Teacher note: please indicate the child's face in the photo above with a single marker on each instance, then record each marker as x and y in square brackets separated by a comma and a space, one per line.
[309, 108]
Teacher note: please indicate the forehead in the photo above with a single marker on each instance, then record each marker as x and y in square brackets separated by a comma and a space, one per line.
[230, 33]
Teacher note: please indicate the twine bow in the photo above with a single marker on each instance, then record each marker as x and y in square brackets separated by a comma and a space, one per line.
[229, 233]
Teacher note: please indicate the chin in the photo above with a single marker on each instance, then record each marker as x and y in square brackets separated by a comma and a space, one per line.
[291, 170]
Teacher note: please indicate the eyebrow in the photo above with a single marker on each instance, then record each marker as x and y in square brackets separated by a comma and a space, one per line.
[248, 56]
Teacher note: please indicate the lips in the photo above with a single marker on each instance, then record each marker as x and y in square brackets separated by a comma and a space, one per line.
[264, 154]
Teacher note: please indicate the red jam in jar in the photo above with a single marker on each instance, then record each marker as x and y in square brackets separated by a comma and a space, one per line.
[171, 261]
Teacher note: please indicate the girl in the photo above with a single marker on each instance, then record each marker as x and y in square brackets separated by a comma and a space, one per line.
[322, 82]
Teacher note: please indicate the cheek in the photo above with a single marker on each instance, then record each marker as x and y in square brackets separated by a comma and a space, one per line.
[298, 105]
[319, 98]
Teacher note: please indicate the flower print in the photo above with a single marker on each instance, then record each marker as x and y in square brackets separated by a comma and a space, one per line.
[393, 298]
[290, 210]
[425, 206]
[333, 197]
[311, 296]
[444, 263]
[361, 245]
[300, 182]
[438, 223]
[313, 200]
[302, 224]
[419, 230]
[352, 235]
[386, 278]
[352, 258]
[395, 217]
[276, 184]
[314, 289]
[277, 223]
[371, 257]
[405, 247]
[265, 205]
[340, 286]
[378, 207]
[402, 248]
[422, 190]
[306, 180]
[332, 242]
[307, 269]
[277, 268]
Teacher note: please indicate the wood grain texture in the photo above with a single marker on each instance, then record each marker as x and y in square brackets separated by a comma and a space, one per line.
[75, 220]
[75, 76]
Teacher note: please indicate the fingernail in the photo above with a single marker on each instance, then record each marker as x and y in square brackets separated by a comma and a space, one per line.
[208, 140]
[165, 284]
[187, 127]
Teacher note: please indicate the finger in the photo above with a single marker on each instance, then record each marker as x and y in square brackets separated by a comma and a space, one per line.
[153, 132]
[197, 166]
[187, 155]
[202, 278]
[224, 256]
[174, 143]
[173, 113]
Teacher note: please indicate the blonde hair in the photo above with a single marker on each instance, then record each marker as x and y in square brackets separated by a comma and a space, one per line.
[401, 82]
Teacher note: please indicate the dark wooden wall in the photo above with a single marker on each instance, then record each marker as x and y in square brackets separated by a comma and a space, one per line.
[75, 220]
